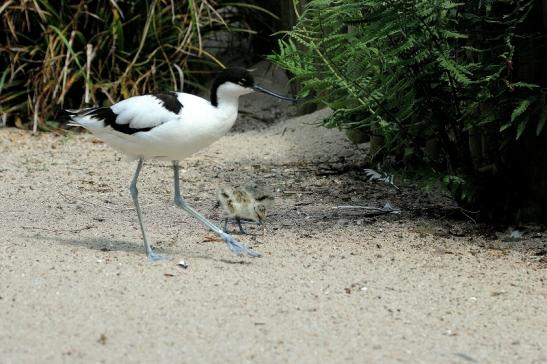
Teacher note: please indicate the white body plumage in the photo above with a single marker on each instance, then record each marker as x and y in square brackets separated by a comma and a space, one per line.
[161, 133]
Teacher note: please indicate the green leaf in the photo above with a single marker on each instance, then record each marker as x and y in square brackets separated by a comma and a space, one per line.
[454, 35]
[520, 109]
[521, 127]
[68, 46]
[460, 73]
[505, 127]
[541, 120]
[525, 85]
[3, 79]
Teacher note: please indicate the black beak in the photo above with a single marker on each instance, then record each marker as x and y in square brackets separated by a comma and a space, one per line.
[271, 93]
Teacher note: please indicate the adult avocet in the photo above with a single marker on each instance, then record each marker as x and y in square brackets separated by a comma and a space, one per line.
[171, 126]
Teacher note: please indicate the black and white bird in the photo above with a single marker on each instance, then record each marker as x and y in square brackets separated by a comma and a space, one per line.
[171, 126]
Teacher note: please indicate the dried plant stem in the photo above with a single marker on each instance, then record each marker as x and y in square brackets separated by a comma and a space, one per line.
[181, 77]
[65, 68]
[115, 4]
[90, 53]
[74, 55]
[35, 115]
[143, 38]
[5, 5]
[195, 15]
[173, 15]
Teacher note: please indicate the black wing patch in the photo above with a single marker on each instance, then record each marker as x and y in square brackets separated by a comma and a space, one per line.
[169, 101]
[109, 118]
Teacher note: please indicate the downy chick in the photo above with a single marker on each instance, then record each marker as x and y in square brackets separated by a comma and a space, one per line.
[247, 203]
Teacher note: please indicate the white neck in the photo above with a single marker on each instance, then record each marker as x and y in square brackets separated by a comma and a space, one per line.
[228, 93]
[227, 106]
[228, 101]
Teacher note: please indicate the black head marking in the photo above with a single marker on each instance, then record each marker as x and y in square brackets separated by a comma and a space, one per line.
[109, 118]
[238, 75]
[230, 206]
[263, 197]
[170, 101]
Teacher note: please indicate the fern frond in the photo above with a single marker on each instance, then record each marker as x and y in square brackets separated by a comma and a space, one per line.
[520, 109]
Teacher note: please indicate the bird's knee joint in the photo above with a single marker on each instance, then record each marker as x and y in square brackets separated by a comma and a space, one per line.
[180, 202]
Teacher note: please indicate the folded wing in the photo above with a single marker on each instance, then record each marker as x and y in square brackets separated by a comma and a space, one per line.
[136, 114]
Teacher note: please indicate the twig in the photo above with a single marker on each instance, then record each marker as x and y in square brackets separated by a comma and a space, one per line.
[464, 212]
[68, 198]
[447, 209]
[102, 205]
[388, 209]
[87, 227]
[357, 207]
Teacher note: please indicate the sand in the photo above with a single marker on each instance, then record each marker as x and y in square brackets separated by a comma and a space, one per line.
[332, 286]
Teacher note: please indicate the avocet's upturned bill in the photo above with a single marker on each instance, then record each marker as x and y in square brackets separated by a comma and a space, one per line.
[172, 126]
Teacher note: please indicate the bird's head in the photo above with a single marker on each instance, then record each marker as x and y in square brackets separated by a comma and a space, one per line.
[260, 211]
[235, 82]
[262, 203]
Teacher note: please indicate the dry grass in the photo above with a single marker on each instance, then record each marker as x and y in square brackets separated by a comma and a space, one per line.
[74, 53]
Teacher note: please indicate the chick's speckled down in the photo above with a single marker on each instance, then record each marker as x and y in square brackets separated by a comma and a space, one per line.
[245, 202]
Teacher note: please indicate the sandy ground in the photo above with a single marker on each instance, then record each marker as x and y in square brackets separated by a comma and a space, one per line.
[332, 286]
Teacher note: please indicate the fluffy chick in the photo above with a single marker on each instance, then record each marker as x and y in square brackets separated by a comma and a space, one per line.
[244, 203]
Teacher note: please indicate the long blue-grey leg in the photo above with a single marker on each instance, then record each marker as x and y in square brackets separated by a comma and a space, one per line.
[234, 245]
[135, 195]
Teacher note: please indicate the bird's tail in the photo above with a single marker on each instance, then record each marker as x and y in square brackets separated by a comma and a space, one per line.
[74, 117]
